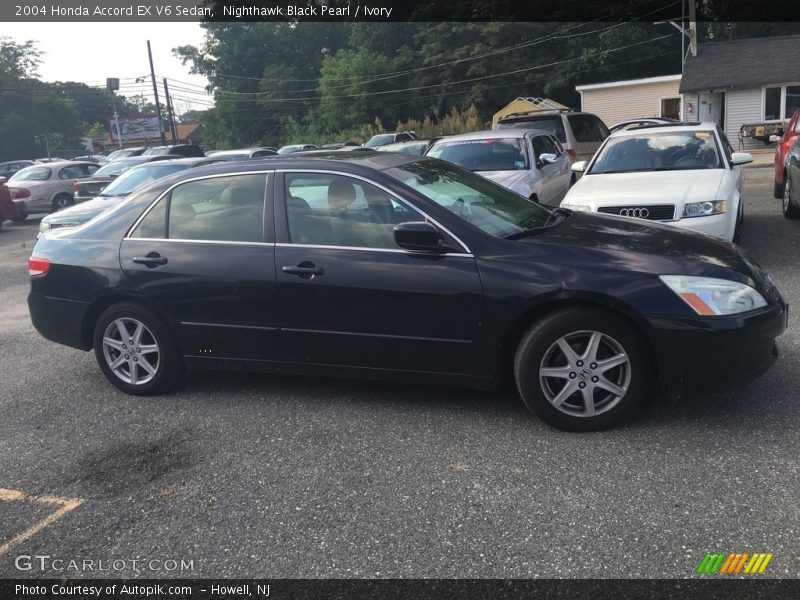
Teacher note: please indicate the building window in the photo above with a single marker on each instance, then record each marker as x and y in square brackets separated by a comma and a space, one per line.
[772, 104]
[671, 108]
[780, 102]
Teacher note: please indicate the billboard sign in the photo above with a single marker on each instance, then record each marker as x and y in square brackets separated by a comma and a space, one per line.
[135, 128]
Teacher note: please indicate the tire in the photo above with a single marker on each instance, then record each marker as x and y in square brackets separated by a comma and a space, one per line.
[62, 201]
[779, 188]
[155, 349]
[790, 210]
[20, 216]
[737, 230]
[574, 328]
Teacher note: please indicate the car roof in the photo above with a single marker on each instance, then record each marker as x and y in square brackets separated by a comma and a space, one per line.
[666, 127]
[57, 164]
[494, 134]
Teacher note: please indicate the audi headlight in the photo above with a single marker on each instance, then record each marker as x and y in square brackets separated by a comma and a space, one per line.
[705, 209]
[577, 207]
[43, 226]
[708, 296]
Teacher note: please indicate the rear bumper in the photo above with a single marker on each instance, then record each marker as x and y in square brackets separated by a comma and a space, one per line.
[58, 320]
[714, 354]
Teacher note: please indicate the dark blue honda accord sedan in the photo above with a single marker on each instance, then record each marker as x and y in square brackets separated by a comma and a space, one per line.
[395, 266]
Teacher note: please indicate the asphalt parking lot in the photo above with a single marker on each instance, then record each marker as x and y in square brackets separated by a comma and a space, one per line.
[276, 476]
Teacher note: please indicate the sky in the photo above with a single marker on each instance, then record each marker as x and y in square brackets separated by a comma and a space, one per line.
[91, 52]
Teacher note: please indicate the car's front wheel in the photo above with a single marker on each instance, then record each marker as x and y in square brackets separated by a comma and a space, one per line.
[582, 369]
[136, 351]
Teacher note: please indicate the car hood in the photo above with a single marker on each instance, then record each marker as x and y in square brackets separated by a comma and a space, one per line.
[84, 211]
[504, 178]
[668, 187]
[625, 245]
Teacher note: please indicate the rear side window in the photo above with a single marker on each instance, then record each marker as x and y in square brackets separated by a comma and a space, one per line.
[552, 125]
[228, 209]
[587, 128]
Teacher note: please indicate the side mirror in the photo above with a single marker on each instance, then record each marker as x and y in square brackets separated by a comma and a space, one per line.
[579, 166]
[419, 236]
[3, 180]
[547, 159]
[741, 158]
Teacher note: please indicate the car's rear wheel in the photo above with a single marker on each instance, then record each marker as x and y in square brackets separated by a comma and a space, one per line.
[790, 211]
[582, 369]
[136, 351]
[779, 189]
[62, 201]
[21, 215]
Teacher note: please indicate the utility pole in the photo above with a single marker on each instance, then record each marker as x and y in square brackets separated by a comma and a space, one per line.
[113, 84]
[170, 113]
[155, 93]
[692, 28]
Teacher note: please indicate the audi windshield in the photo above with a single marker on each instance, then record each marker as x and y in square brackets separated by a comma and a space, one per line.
[659, 151]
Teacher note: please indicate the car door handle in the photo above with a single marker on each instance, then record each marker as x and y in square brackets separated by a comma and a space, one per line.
[305, 270]
[152, 260]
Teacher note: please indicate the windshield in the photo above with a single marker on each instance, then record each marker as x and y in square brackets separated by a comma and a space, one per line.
[117, 167]
[486, 205]
[134, 178]
[32, 174]
[378, 140]
[507, 154]
[658, 151]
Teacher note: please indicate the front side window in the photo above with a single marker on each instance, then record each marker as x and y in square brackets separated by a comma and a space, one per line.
[792, 101]
[492, 154]
[658, 151]
[472, 198]
[227, 209]
[335, 210]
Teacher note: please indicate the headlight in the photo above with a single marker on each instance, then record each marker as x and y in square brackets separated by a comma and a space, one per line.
[43, 226]
[577, 207]
[705, 209]
[709, 296]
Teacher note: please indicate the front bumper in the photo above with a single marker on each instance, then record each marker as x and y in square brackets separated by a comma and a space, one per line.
[703, 354]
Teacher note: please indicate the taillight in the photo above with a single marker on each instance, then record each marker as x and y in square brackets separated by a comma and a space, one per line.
[75, 189]
[38, 267]
[572, 154]
[17, 193]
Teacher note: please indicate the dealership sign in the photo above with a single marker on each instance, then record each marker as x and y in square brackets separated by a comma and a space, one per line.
[134, 128]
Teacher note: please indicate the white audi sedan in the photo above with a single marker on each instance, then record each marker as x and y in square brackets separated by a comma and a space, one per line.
[683, 174]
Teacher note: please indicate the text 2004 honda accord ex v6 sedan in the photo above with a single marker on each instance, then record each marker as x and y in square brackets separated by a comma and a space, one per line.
[385, 265]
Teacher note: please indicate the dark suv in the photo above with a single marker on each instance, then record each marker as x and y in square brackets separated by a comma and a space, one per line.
[580, 133]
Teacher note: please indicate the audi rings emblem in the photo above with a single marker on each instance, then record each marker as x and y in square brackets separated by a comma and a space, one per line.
[640, 213]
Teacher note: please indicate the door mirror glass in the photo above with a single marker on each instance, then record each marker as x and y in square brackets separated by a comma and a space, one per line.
[419, 237]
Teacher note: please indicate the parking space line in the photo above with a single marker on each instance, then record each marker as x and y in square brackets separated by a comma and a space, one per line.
[66, 504]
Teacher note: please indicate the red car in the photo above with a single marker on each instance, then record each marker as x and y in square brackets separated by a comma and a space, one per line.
[7, 207]
[790, 134]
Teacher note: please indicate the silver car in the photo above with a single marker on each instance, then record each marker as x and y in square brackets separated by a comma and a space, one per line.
[530, 162]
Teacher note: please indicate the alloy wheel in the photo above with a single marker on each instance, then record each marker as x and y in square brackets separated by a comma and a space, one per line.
[131, 351]
[585, 373]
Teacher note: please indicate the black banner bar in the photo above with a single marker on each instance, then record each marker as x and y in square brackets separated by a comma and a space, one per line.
[101, 11]
[416, 589]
